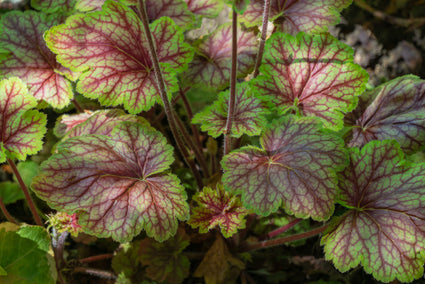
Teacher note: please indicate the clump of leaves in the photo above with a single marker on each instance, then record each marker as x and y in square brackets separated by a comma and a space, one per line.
[288, 131]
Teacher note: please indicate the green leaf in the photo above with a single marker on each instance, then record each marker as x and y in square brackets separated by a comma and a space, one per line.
[126, 261]
[165, 261]
[128, 169]
[212, 63]
[219, 265]
[30, 59]
[27, 170]
[110, 47]
[22, 129]
[217, 208]
[311, 16]
[37, 234]
[394, 110]
[248, 117]
[314, 75]
[384, 228]
[10, 192]
[296, 166]
[23, 260]
[239, 5]
[3, 272]
[54, 6]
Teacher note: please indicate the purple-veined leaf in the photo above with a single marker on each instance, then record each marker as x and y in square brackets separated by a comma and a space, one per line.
[293, 16]
[384, 230]
[54, 6]
[110, 47]
[217, 207]
[212, 63]
[177, 10]
[116, 185]
[239, 5]
[296, 167]
[248, 117]
[205, 8]
[394, 110]
[312, 75]
[29, 58]
[22, 128]
[165, 261]
[102, 122]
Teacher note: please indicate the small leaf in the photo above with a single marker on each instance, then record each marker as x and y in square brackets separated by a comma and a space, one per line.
[10, 192]
[165, 261]
[218, 208]
[126, 261]
[384, 228]
[212, 63]
[205, 8]
[311, 16]
[239, 5]
[128, 170]
[27, 170]
[23, 260]
[22, 129]
[248, 117]
[54, 6]
[295, 166]
[219, 265]
[31, 60]
[315, 75]
[3, 272]
[110, 47]
[395, 110]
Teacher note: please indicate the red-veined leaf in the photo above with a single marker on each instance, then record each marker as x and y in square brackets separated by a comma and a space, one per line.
[218, 208]
[394, 110]
[116, 185]
[110, 47]
[248, 117]
[212, 63]
[29, 58]
[206, 8]
[384, 230]
[54, 6]
[295, 167]
[313, 75]
[22, 128]
[293, 16]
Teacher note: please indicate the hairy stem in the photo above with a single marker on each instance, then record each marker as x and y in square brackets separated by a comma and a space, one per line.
[412, 22]
[27, 194]
[58, 244]
[96, 258]
[263, 37]
[232, 98]
[163, 93]
[279, 241]
[282, 229]
[95, 272]
[6, 213]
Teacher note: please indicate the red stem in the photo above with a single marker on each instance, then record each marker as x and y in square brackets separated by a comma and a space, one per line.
[279, 241]
[26, 193]
[283, 229]
[77, 106]
[6, 213]
[96, 257]
[95, 272]
[163, 93]
[232, 98]
[263, 37]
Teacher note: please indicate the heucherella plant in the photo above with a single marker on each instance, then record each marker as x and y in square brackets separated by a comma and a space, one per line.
[118, 125]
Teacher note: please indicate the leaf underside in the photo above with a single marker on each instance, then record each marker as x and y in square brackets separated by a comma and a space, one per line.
[295, 167]
[384, 230]
[123, 188]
